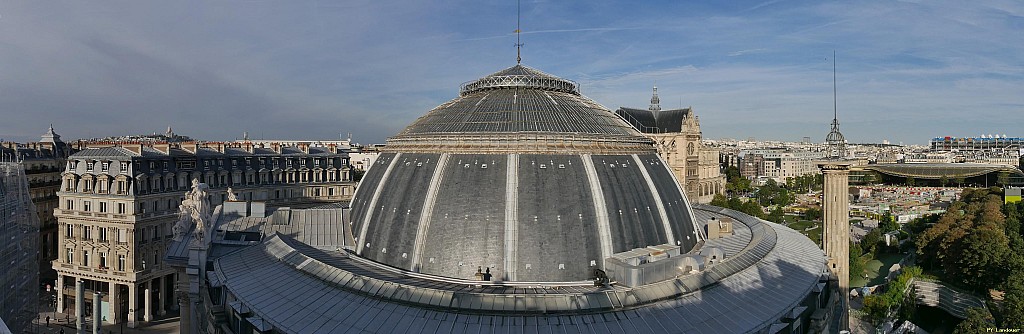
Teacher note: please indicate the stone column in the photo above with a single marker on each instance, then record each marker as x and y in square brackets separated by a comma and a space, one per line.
[115, 304]
[171, 293]
[133, 305]
[97, 313]
[186, 313]
[148, 299]
[80, 305]
[60, 293]
[164, 295]
[836, 229]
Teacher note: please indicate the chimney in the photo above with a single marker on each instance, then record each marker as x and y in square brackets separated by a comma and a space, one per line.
[333, 148]
[304, 147]
[220, 147]
[249, 147]
[135, 148]
[190, 147]
[276, 147]
[163, 147]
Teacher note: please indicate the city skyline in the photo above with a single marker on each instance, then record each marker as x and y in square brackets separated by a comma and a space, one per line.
[907, 72]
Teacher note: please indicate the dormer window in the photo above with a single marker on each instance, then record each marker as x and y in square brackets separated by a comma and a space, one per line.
[89, 166]
[104, 166]
[124, 167]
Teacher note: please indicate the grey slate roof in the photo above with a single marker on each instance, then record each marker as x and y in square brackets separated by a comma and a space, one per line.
[661, 121]
[104, 152]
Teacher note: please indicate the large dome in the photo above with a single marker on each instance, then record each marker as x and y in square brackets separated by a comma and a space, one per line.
[522, 175]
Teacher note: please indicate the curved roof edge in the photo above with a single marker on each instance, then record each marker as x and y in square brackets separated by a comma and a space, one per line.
[377, 281]
[938, 170]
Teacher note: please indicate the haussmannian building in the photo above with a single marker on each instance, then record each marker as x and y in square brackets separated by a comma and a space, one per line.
[43, 162]
[118, 202]
[677, 137]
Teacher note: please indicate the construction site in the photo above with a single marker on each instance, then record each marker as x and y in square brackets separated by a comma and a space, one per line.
[19, 249]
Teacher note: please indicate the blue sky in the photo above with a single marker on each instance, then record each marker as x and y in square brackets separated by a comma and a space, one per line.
[908, 71]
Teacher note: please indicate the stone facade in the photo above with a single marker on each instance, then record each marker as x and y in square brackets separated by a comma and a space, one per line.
[118, 203]
[43, 162]
[677, 137]
[835, 237]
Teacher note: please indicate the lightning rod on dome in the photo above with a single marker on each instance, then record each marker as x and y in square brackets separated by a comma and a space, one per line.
[519, 45]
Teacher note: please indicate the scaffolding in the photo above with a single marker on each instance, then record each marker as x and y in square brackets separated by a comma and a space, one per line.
[19, 249]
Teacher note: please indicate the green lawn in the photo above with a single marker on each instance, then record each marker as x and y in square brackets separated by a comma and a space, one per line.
[811, 229]
[876, 269]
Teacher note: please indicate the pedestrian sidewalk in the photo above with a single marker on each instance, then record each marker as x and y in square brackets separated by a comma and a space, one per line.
[58, 321]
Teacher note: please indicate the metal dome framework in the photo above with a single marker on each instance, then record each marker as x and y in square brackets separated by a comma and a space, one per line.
[520, 76]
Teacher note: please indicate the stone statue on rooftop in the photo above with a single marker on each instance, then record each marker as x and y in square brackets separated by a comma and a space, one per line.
[195, 208]
[231, 195]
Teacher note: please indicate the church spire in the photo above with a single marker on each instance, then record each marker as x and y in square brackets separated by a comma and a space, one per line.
[655, 101]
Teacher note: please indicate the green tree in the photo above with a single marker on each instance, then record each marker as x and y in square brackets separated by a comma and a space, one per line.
[978, 321]
[720, 201]
[1003, 178]
[910, 181]
[812, 214]
[857, 263]
[943, 181]
[1013, 302]
[888, 223]
[960, 180]
[776, 215]
[982, 258]
[870, 241]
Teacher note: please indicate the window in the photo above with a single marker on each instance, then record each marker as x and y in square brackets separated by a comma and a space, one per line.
[87, 232]
[105, 166]
[70, 204]
[103, 260]
[70, 256]
[124, 167]
[86, 205]
[103, 206]
[89, 166]
[103, 234]
[120, 262]
[121, 208]
[69, 231]
[85, 258]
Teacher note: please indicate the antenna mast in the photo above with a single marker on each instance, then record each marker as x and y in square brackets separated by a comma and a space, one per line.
[519, 15]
